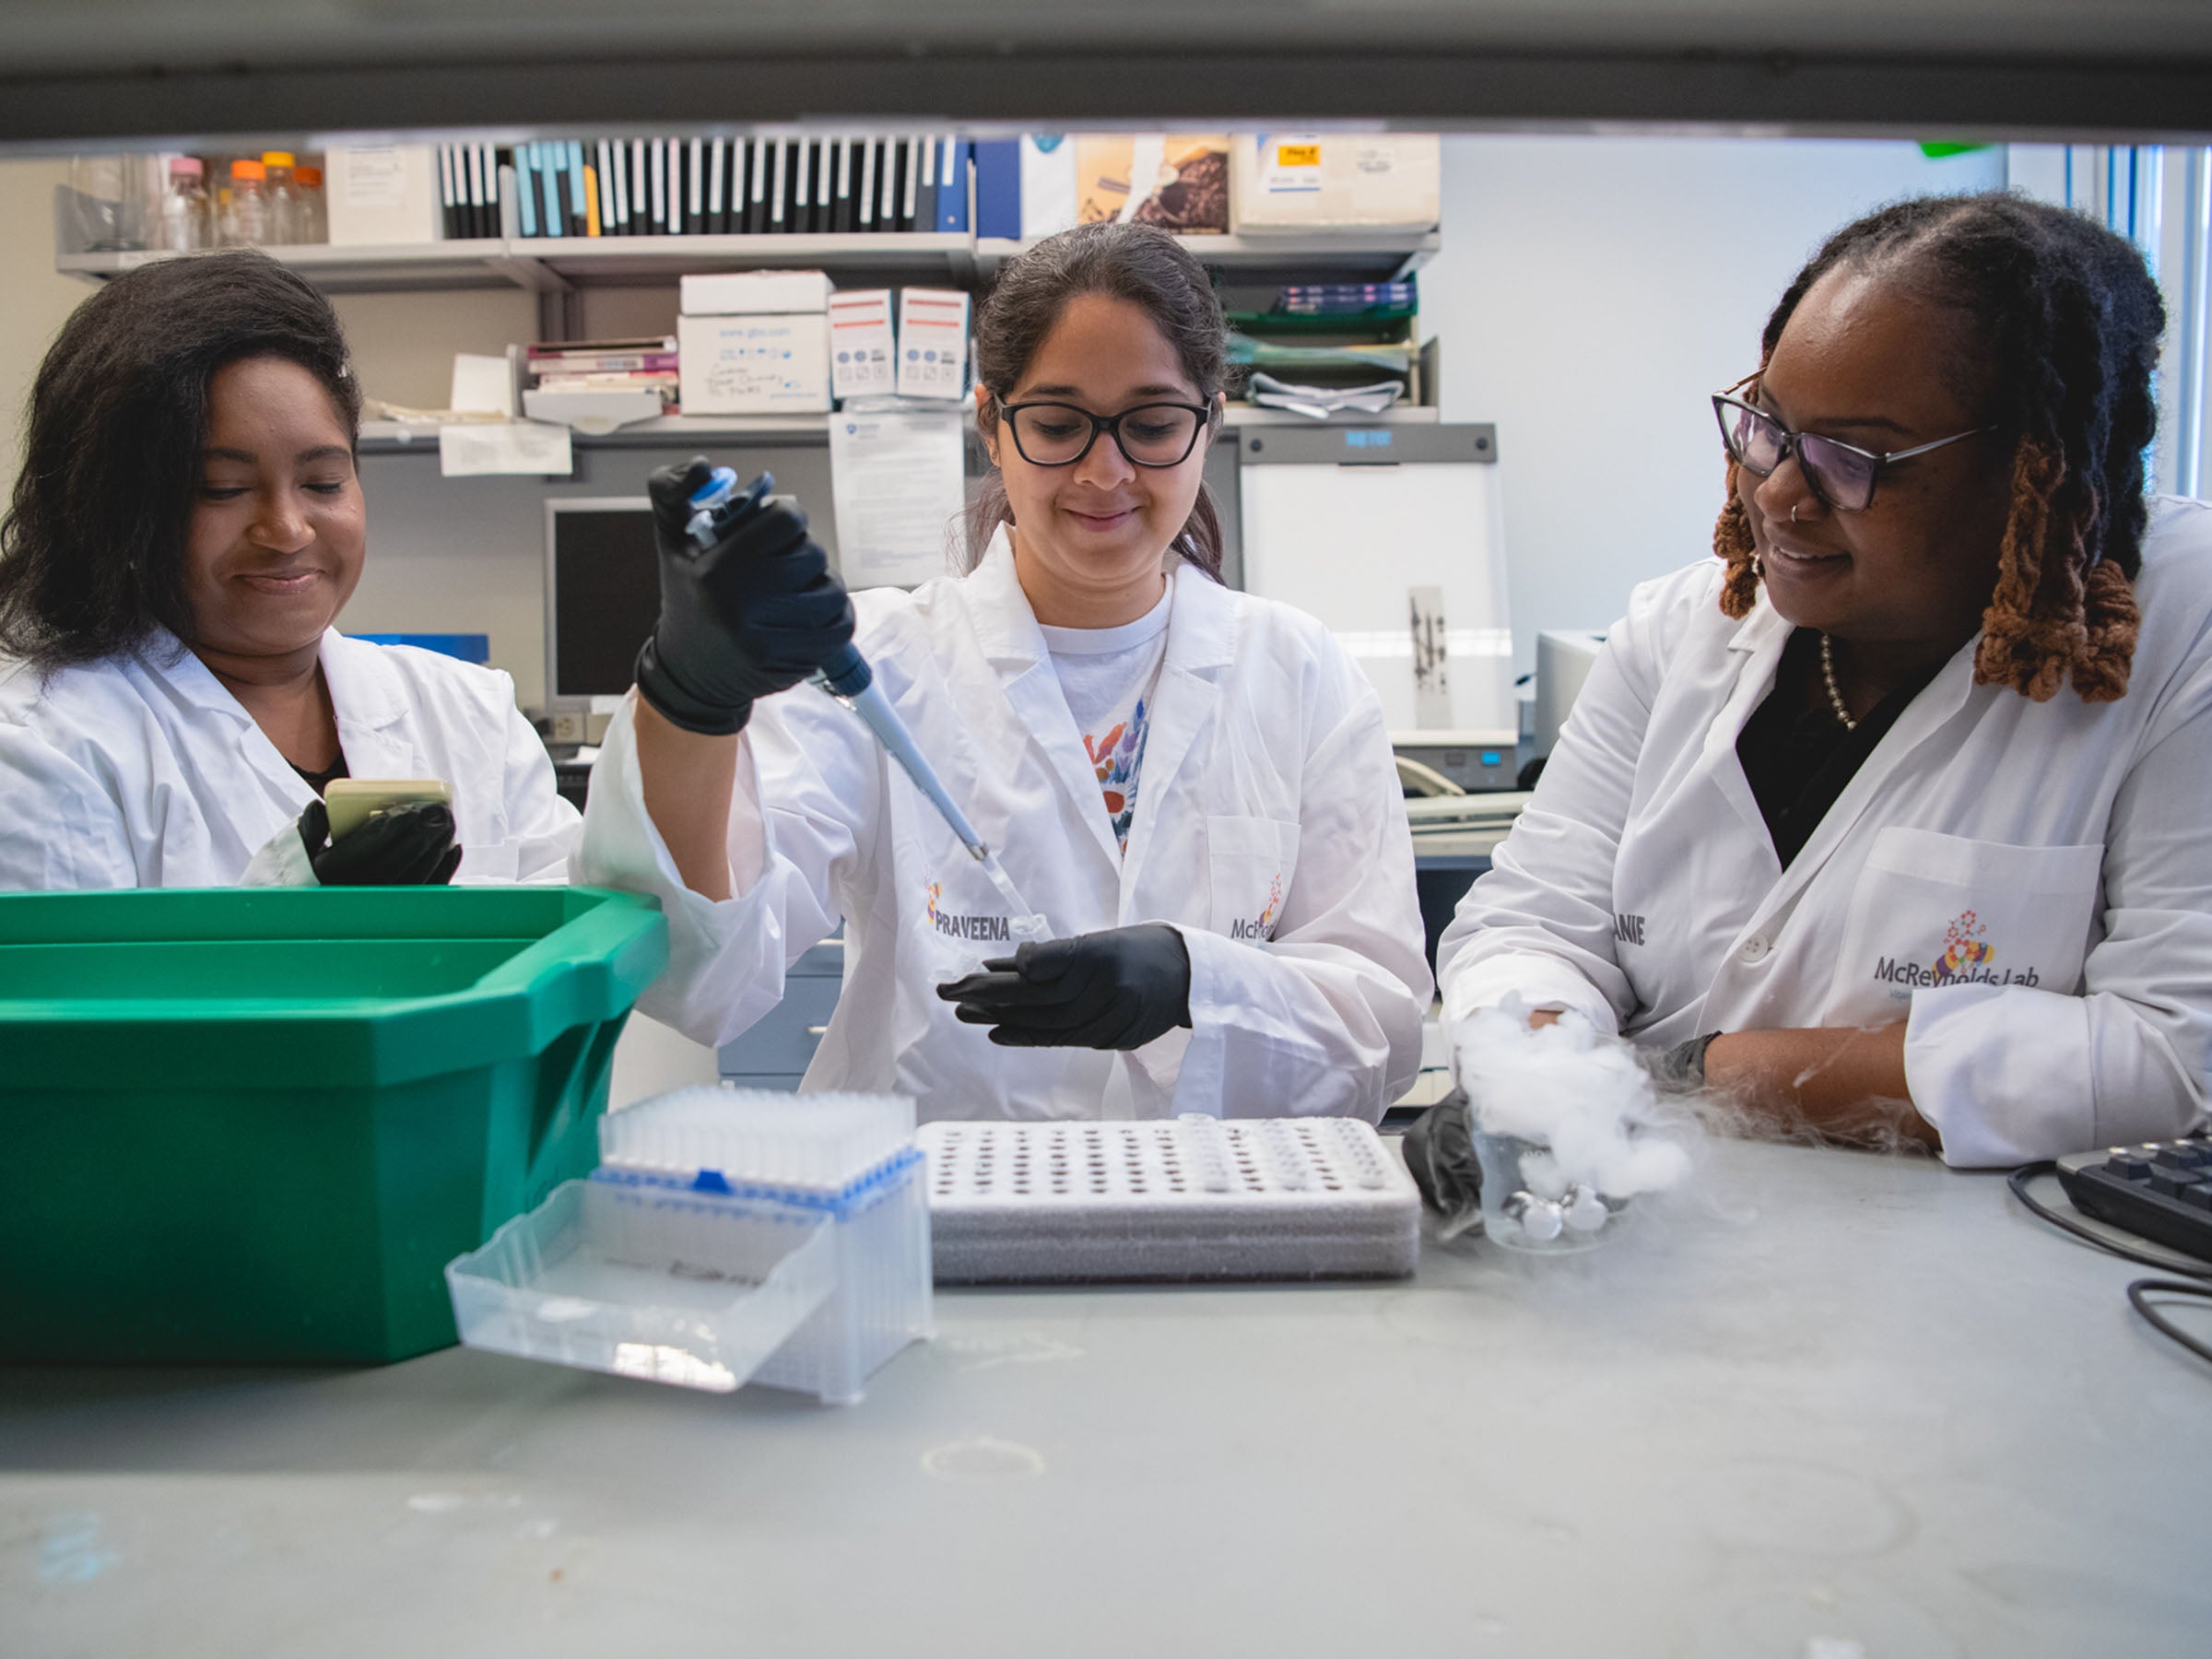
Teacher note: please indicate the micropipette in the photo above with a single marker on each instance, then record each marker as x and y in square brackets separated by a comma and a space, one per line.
[716, 506]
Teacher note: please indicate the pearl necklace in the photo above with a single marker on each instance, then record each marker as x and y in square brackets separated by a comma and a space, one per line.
[1828, 676]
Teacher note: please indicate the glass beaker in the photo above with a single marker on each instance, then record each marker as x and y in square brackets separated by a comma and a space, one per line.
[1526, 1205]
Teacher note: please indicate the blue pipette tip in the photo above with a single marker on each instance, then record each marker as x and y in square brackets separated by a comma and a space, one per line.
[710, 503]
[720, 485]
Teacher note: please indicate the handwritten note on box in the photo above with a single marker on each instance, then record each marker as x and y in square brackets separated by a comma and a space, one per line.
[769, 364]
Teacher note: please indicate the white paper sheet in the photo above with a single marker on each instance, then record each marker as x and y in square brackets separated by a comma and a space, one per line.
[520, 446]
[899, 494]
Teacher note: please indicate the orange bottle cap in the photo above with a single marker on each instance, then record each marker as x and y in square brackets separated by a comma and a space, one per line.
[247, 170]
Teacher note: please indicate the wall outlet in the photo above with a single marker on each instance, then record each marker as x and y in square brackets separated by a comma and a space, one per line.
[569, 726]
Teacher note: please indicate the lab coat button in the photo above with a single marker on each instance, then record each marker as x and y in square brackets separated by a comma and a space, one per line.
[1755, 949]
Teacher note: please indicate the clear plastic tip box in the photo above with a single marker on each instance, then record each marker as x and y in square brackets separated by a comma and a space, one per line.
[728, 1236]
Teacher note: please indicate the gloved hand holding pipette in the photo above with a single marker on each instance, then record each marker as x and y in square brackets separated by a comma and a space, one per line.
[752, 612]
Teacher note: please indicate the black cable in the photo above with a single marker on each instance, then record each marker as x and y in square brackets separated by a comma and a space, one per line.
[2200, 1288]
[2018, 1181]
[2137, 1296]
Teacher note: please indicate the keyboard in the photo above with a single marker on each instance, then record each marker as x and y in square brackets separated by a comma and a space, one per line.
[2161, 1190]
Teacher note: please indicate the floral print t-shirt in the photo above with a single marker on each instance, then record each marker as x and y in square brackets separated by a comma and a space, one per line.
[1108, 676]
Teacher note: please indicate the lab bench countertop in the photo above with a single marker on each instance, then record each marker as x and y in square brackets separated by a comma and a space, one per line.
[1824, 1403]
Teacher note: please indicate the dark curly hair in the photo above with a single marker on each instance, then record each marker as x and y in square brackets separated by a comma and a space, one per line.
[92, 546]
[2061, 320]
[1138, 263]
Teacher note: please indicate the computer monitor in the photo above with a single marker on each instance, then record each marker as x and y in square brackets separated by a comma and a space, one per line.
[603, 595]
[1563, 662]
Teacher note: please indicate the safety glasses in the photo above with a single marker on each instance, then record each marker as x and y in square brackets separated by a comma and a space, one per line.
[1842, 474]
[1057, 434]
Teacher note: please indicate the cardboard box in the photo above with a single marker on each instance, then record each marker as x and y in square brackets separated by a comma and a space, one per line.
[862, 350]
[378, 194]
[1290, 182]
[1177, 181]
[755, 365]
[754, 293]
[932, 343]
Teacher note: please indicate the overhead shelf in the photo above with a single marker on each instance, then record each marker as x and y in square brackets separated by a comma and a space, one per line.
[587, 260]
[555, 264]
[420, 437]
[411, 267]
[1365, 254]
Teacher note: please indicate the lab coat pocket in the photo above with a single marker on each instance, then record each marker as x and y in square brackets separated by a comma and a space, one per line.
[1249, 864]
[1933, 909]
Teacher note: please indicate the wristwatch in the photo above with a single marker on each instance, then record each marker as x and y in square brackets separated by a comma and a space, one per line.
[1681, 1069]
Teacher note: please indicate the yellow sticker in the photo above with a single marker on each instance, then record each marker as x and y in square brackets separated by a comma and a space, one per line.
[1298, 155]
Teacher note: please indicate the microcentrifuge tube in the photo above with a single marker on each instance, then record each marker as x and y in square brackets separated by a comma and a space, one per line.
[1025, 924]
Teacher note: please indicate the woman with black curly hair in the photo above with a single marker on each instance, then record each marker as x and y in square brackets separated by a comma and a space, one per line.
[1894, 820]
[174, 696]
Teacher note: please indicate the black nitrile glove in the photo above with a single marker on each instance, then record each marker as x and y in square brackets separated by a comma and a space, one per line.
[1440, 1155]
[410, 845]
[1118, 989]
[750, 616]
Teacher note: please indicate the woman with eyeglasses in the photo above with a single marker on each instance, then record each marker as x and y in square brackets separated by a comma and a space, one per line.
[1893, 821]
[1195, 787]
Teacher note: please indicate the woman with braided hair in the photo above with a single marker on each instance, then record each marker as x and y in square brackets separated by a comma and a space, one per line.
[1893, 821]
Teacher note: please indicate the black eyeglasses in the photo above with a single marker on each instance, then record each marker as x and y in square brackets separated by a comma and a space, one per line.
[1840, 473]
[1058, 434]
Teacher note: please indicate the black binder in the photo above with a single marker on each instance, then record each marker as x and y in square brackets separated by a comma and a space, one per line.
[925, 194]
[801, 187]
[840, 187]
[756, 192]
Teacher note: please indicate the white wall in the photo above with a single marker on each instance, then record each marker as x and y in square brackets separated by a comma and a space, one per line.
[34, 301]
[1590, 294]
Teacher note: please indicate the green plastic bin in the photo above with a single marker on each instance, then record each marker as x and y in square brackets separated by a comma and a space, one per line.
[253, 1126]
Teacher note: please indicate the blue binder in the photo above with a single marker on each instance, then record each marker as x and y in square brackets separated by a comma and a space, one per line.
[998, 187]
[549, 160]
[952, 184]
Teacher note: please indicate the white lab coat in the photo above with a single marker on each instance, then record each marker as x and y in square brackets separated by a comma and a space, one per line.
[1270, 829]
[2027, 886]
[141, 770]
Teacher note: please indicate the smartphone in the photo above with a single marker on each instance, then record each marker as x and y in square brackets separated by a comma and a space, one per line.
[351, 800]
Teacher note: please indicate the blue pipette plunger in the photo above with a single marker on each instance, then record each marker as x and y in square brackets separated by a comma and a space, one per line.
[715, 507]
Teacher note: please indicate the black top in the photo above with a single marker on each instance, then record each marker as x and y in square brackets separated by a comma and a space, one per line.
[321, 781]
[1799, 761]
